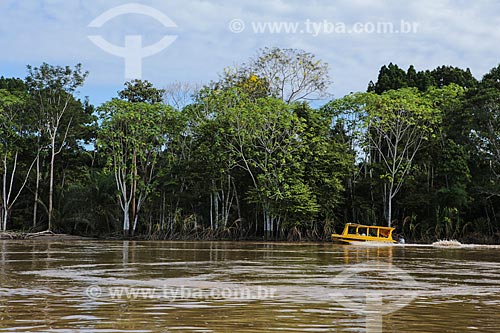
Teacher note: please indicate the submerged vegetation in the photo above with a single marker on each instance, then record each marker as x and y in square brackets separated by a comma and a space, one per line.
[248, 157]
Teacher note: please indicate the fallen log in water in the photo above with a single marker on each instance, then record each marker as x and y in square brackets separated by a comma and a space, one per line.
[43, 235]
[11, 235]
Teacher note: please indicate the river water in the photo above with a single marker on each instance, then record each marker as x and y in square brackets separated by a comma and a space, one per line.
[97, 286]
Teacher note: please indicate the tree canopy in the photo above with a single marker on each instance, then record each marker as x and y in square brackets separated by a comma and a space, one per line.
[249, 157]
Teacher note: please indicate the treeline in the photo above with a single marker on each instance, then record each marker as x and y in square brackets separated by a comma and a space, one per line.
[248, 157]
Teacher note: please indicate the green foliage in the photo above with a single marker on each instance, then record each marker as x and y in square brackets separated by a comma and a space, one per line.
[49, 79]
[138, 91]
[395, 124]
[59, 121]
[11, 119]
[392, 77]
[246, 157]
[134, 135]
[89, 207]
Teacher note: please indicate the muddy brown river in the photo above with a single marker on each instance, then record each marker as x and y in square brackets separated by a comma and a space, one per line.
[94, 286]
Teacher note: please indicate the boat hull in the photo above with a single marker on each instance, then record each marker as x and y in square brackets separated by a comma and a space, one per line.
[352, 240]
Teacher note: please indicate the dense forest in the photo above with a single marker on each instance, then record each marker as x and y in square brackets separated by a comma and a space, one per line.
[250, 156]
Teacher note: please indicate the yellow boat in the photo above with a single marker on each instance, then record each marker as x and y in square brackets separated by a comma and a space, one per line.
[364, 233]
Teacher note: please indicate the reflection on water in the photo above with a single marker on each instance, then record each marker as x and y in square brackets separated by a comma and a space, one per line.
[243, 287]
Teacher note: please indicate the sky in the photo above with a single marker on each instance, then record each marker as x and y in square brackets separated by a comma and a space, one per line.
[202, 37]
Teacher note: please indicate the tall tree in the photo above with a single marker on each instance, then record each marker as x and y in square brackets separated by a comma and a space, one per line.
[13, 135]
[141, 91]
[397, 122]
[484, 103]
[389, 77]
[392, 77]
[263, 138]
[287, 74]
[134, 135]
[180, 94]
[52, 88]
[445, 75]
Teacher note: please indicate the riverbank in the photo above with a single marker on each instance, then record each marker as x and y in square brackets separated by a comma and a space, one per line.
[51, 236]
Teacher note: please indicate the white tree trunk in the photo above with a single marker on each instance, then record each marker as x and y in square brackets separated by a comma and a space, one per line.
[5, 218]
[140, 201]
[389, 210]
[51, 181]
[211, 211]
[37, 189]
[126, 220]
[4, 195]
[216, 207]
[7, 188]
